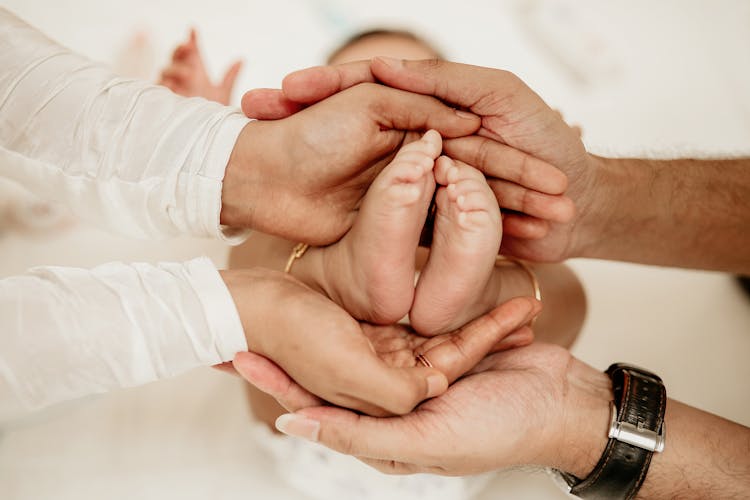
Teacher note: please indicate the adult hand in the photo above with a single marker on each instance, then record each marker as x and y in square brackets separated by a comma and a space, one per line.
[303, 177]
[186, 74]
[531, 405]
[368, 368]
[523, 146]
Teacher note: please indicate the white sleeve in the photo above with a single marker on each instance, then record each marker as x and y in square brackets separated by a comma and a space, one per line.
[132, 156]
[68, 333]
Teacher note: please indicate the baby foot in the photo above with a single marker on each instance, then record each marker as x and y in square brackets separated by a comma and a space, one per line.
[453, 286]
[371, 270]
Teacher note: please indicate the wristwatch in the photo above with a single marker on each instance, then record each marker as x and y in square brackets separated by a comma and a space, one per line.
[636, 432]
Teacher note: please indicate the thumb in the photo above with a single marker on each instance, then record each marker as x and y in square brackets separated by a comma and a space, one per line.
[231, 76]
[310, 85]
[268, 104]
[456, 353]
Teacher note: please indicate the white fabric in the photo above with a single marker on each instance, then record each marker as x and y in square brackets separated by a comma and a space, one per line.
[70, 332]
[127, 154]
[140, 160]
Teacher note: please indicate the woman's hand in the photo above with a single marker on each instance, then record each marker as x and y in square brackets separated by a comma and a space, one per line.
[360, 366]
[303, 177]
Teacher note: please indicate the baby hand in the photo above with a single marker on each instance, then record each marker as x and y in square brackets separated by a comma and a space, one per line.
[186, 74]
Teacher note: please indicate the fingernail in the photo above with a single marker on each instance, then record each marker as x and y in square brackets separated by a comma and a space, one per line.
[436, 385]
[465, 114]
[391, 62]
[298, 426]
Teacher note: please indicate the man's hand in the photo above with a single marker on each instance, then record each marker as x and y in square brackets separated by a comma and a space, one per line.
[186, 74]
[523, 146]
[368, 368]
[533, 405]
[303, 177]
[530, 405]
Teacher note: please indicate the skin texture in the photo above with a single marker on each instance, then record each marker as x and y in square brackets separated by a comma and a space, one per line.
[683, 213]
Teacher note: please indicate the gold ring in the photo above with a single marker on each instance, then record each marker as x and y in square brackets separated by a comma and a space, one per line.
[422, 359]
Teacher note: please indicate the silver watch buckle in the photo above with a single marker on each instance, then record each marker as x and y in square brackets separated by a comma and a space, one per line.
[635, 435]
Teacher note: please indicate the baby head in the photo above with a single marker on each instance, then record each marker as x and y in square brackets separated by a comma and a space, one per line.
[383, 42]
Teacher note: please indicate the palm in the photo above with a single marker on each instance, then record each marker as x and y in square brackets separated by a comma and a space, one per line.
[354, 354]
[521, 389]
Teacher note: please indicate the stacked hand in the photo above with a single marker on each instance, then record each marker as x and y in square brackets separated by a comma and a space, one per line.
[526, 150]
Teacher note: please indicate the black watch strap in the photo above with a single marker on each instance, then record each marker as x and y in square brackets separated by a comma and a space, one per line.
[636, 432]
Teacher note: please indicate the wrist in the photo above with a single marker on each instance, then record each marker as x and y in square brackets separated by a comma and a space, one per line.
[612, 207]
[242, 284]
[309, 269]
[585, 420]
[246, 176]
[594, 202]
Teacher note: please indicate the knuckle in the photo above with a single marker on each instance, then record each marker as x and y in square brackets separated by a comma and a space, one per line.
[485, 155]
[524, 169]
[348, 444]
[459, 343]
[433, 63]
[527, 201]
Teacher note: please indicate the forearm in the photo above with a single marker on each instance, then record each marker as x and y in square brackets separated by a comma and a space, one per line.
[129, 155]
[68, 333]
[705, 456]
[683, 213]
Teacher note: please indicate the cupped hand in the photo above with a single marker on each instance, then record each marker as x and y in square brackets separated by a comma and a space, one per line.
[532, 405]
[530, 155]
[304, 176]
[356, 365]
[186, 74]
